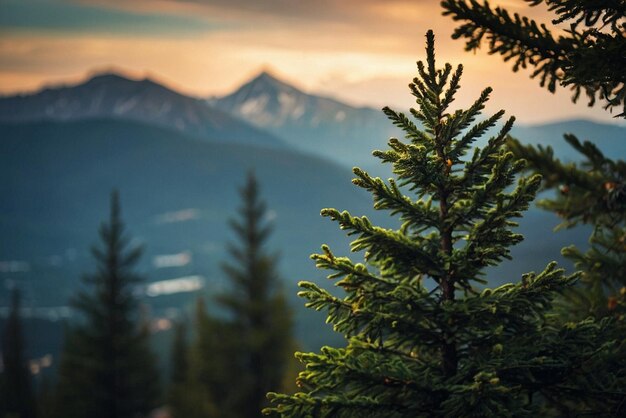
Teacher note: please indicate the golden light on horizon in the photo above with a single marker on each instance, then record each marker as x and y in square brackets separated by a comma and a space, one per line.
[356, 55]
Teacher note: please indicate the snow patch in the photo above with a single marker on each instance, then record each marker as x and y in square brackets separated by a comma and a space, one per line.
[254, 105]
[182, 215]
[297, 112]
[125, 106]
[172, 286]
[172, 260]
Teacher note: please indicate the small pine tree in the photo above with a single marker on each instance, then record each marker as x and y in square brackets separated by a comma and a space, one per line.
[107, 369]
[422, 341]
[261, 319]
[589, 57]
[16, 392]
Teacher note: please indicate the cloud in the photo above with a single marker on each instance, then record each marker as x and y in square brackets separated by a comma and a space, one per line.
[356, 50]
[58, 15]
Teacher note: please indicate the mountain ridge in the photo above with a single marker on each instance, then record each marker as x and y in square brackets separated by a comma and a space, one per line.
[111, 95]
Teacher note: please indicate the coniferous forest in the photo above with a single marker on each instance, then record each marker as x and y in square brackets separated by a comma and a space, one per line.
[153, 260]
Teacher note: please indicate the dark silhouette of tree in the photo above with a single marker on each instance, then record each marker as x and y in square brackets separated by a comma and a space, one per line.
[107, 369]
[261, 319]
[16, 392]
[243, 350]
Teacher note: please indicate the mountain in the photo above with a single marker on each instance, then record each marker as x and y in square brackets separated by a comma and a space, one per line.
[347, 134]
[111, 95]
[315, 124]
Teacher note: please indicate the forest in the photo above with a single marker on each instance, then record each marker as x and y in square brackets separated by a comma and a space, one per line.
[461, 295]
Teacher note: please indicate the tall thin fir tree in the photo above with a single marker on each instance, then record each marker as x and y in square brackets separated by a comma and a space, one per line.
[422, 341]
[261, 318]
[16, 391]
[590, 57]
[107, 369]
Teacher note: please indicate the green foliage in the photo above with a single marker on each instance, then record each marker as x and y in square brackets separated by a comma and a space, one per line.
[196, 388]
[592, 192]
[422, 341]
[179, 369]
[235, 361]
[107, 369]
[261, 319]
[589, 55]
[16, 392]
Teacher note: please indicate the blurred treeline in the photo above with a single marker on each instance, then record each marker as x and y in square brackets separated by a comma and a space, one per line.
[220, 365]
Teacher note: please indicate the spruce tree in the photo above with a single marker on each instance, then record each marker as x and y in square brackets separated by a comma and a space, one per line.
[260, 318]
[107, 369]
[16, 392]
[591, 57]
[422, 341]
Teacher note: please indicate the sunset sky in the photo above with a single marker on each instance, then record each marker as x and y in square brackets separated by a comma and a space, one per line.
[360, 51]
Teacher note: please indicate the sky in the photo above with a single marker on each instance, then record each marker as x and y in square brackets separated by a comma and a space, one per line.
[359, 51]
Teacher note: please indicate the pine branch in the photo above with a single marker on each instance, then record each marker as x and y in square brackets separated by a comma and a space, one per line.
[589, 60]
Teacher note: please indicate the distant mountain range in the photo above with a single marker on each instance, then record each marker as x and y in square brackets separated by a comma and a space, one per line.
[117, 97]
[178, 160]
[264, 111]
[348, 134]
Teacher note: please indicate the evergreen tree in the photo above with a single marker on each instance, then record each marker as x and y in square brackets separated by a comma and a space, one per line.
[260, 318]
[421, 340]
[16, 393]
[107, 369]
[590, 57]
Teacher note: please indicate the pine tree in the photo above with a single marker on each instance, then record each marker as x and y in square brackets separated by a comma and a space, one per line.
[261, 319]
[107, 369]
[589, 57]
[421, 340]
[16, 397]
